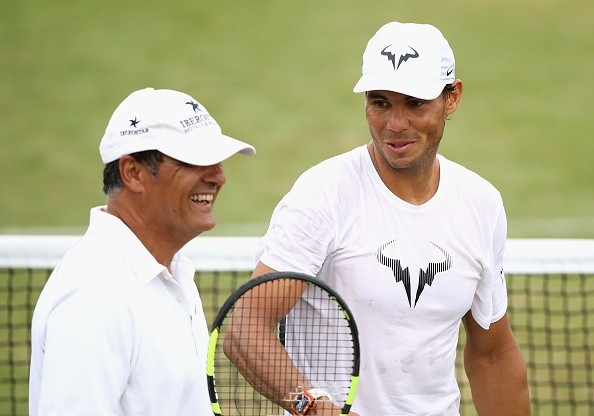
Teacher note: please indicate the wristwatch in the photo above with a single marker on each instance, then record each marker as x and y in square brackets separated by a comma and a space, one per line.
[306, 400]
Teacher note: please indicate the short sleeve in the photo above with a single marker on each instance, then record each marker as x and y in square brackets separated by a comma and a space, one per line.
[88, 338]
[301, 229]
[490, 301]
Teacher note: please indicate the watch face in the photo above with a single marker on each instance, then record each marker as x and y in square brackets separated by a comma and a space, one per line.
[302, 404]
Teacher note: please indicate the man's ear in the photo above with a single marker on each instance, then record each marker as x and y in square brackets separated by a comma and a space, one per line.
[132, 173]
[453, 99]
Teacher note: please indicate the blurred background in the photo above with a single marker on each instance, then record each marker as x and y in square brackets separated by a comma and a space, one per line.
[279, 75]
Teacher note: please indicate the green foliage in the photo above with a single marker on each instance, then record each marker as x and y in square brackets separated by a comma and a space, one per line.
[279, 75]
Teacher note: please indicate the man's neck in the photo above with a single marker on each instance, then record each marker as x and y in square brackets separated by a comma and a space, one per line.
[415, 185]
[160, 246]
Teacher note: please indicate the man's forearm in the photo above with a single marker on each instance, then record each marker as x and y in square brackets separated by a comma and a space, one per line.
[499, 385]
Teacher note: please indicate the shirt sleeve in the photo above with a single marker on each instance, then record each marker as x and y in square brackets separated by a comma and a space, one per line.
[301, 229]
[499, 286]
[87, 355]
[490, 302]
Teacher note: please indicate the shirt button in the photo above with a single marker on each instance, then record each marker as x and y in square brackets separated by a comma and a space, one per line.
[180, 299]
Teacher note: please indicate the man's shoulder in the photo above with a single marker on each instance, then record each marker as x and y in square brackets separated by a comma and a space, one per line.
[464, 175]
[341, 166]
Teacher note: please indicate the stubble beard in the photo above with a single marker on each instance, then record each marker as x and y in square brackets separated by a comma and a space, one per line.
[416, 165]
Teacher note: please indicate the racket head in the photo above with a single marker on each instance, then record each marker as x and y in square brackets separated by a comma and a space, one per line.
[319, 333]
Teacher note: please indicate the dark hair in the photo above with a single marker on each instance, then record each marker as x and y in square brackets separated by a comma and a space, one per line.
[447, 90]
[112, 180]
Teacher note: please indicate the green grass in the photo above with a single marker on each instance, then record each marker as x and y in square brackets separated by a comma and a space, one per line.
[279, 75]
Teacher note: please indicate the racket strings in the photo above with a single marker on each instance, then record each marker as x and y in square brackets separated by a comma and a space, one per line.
[314, 336]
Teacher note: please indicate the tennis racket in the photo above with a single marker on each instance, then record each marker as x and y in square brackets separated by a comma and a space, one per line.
[283, 343]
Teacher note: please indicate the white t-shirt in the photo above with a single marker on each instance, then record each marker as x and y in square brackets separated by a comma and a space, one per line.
[409, 273]
[114, 333]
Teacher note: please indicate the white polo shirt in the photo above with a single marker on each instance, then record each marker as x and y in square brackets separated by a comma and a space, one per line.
[114, 333]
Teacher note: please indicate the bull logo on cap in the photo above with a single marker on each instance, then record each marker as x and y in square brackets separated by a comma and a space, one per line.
[404, 56]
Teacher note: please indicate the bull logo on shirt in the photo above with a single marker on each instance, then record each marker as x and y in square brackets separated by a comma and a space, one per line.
[426, 274]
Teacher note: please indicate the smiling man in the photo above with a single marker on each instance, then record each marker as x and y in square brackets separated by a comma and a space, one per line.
[412, 241]
[119, 327]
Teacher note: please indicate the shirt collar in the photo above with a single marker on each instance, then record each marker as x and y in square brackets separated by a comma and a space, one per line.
[141, 261]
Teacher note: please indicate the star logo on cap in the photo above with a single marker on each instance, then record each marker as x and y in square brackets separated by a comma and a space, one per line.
[194, 105]
[403, 56]
[134, 122]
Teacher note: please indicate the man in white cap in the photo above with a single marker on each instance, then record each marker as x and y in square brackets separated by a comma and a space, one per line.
[411, 240]
[119, 327]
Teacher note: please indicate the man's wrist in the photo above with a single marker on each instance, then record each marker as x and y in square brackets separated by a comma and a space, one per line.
[306, 400]
[320, 394]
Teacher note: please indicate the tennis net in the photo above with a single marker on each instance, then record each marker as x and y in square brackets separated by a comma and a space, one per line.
[551, 308]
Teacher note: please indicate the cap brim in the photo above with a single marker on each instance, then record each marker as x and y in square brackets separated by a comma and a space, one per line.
[208, 151]
[423, 90]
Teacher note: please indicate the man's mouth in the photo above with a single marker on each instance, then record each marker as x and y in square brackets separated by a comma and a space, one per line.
[401, 146]
[203, 198]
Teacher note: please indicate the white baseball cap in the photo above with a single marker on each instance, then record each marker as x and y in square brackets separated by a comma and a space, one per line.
[408, 58]
[171, 122]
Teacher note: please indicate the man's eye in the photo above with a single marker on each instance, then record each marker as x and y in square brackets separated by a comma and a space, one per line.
[415, 103]
[379, 103]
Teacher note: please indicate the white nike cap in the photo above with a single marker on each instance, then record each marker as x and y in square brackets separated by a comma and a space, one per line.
[408, 58]
[171, 122]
